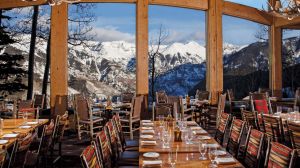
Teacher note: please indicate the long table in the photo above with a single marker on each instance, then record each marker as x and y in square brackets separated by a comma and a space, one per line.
[187, 154]
[13, 126]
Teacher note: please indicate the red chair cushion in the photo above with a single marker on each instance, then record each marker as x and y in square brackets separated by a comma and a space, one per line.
[261, 106]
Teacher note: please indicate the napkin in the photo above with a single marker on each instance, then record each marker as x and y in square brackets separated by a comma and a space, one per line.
[148, 131]
[228, 160]
[191, 123]
[147, 128]
[196, 128]
[146, 136]
[152, 162]
[148, 142]
[148, 124]
[146, 121]
[212, 145]
[204, 137]
[197, 132]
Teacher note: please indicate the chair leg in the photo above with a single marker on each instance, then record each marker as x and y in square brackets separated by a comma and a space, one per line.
[91, 131]
[130, 130]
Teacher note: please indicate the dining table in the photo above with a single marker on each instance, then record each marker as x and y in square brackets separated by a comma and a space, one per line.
[13, 128]
[187, 154]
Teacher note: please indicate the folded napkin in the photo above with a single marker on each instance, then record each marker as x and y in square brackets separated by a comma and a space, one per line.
[227, 160]
[146, 121]
[212, 145]
[152, 162]
[148, 124]
[146, 136]
[148, 131]
[204, 137]
[147, 128]
[191, 123]
[196, 128]
[199, 132]
[148, 142]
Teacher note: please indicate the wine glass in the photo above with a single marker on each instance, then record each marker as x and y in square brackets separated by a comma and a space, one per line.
[166, 137]
[189, 136]
[161, 120]
[202, 150]
[212, 157]
[172, 159]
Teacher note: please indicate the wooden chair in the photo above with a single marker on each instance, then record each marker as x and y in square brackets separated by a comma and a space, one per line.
[26, 107]
[220, 132]
[3, 154]
[265, 90]
[38, 101]
[294, 134]
[131, 120]
[105, 151]
[61, 105]
[297, 98]
[252, 155]
[202, 95]
[250, 118]
[201, 105]
[235, 105]
[273, 128]
[212, 116]
[261, 103]
[279, 155]
[161, 97]
[235, 136]
[186, 113]
[129, 145]
[20, 149]
[87, 122]
[162, 109]
[126, 97]
[90, 157]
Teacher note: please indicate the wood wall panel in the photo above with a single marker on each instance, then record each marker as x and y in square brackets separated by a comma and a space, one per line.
[59, 52]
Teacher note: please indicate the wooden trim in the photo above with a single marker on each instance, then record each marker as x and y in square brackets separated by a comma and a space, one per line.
[6, 4]
[214, 64]
[248, 13]
[281, 22]
[142, 80]
[108, 1]
[192, 4]
[59, 52]
[275, 59]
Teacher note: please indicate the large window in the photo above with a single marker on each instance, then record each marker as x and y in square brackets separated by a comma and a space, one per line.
[259, 4]
[177, 50]
[246, 52]
[290, 61]
[102, 49]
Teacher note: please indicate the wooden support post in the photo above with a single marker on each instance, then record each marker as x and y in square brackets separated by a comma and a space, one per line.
[59, 53]
[275, 61]
[142, 86]
[214, 52]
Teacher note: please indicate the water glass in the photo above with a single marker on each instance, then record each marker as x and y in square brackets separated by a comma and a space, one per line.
[172, 159]
[189, 137]
[202, 150]
[296, 109]
[279, 110]
[161, 120]
[166, 140]
[25, 116]
[212, 157]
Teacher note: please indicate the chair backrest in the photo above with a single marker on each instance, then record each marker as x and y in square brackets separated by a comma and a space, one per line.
[279, 155]
[105, 150]
[23, 104]
[250, 118]
[235, 135]
[90, 158]
[297, 98]
[137, 106]
[126, 97]
[230, 95]
[118, 126]
[114, 140]
[265, 90]
[82, 109]
[174, 101]
[46, 138]
[202, 95]
[3, 154]
[254, 146]
[220, 132]
[61, 105]
[59, 130]
[162, 109]
[221, 107]
[294, 133]
[273, 128]
[39, 101]
[161, 97]
[260, 102]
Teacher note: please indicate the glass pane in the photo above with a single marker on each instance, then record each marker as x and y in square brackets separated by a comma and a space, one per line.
[246, 51]
[179, 64]
[259, 4]
[102, 61]
[290, 61]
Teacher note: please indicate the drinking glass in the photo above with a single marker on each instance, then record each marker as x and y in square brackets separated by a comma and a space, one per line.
[161, 120]
[166, 140]
[189, 136]
[25, 116]
[212, 157]
[202, 150]
[279, 110]
[296, 109]
[289, 113]
[172, 159]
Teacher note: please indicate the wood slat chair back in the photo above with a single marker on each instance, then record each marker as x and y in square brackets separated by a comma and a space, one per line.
[250, 118]
[115, 143]
[261, 103]
[230, 95]
[90, 157]
[116, 119]
[235, 135]
[221, 130]
[137, 107]
[221, 107]
[280, 156]
[161, 97]
[102, 142]
[127, 97]
[202, 95]
[254, 145]
[39, 101]
[294, 133]
[265, 90]
[26, 106]
[273, 128]
[82, 109]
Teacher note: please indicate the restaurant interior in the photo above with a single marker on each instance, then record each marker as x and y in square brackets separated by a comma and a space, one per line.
[210, 128]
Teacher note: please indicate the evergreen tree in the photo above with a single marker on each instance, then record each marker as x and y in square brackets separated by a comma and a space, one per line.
[11, 72]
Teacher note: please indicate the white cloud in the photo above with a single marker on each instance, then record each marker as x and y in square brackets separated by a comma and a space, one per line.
[111, 34]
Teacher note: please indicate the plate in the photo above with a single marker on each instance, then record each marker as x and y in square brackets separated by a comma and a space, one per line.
[2, 141]
[146, 136]
[219, 152]
[204, 137]
[25, 127]
[32, 123]
[10, 135]
[146, 121]
[151, 155]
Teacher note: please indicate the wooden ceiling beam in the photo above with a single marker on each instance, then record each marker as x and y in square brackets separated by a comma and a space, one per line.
[248, 13]
[281, 22]
[108, 1]
[6, 4]
[191, 4]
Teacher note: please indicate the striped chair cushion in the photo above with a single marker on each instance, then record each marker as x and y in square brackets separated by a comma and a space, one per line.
[236, 130]
[280, 156]
[105, 149]
[223, 122]
[114, 139]
[294, 129]
[118, 125]
[254, 142]
[261, 106]
[272, 128]
[90, 157]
